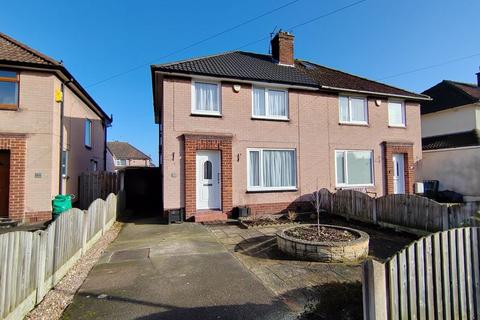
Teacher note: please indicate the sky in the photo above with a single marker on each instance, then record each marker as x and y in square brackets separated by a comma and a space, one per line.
[109, 45]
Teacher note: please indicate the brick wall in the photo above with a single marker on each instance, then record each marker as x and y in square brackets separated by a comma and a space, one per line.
[207, 142]
[280, 207]
[407, 150]
[17, 145]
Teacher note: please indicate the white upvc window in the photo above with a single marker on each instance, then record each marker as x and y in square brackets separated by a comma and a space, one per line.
[354, 168]
[206, 98]
[271, 169]
[88, 133]
[353, 110]
[396, 113]
[269, 103]
[120, 162]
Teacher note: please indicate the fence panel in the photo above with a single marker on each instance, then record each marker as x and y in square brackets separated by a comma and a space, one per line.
[435, 277]
[96, 185]
[353, 204]
[33, 262]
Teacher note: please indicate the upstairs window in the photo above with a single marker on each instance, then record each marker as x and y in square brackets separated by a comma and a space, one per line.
[270, 103]
[88, 133]
[120, 162]
[353, 110]
[206, 98]
[8, 90]
[396, 114]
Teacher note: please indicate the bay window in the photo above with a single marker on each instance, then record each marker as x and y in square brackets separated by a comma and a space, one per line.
[271, 169]
[353, 110]
[354, 167]
[270, 103]
[205, 98]
[396, 114]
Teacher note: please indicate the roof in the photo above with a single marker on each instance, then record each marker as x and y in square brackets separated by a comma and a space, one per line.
[453, 140]
[450, 94]
[125, 151]
[260, 67]
[18, 55]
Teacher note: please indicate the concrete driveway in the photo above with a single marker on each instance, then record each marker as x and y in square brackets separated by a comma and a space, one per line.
[154, 271]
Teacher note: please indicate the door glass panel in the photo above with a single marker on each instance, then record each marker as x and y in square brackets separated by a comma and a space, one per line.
[207, 170]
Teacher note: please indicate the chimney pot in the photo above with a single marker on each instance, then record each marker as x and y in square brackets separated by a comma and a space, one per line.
[282, 48]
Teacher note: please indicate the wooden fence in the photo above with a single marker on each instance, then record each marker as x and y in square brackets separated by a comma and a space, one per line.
[96, 185]
[406, 212]
[33, 262]
[436, 277]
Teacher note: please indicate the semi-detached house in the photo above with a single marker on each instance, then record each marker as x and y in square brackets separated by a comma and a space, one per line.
[256, 130]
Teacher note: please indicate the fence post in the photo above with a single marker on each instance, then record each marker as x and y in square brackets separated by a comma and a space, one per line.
[374, 291]
[41, 263]
[85, 225]
[374, 209]
[104, 216]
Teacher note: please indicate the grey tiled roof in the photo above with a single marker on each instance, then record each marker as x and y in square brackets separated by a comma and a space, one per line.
[259, 67]
[453, 140]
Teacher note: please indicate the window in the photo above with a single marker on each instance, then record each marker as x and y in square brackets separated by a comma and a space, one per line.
[121, 162]
[396, 114]
[88, 133]
[353, 110]
[271, 169]
[94, 165]
[270, 103]
[354, 168]
[206, 98]
[64, 163]
[207, 170]
[8, 90]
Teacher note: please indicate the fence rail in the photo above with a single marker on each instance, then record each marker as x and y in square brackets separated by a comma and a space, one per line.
[33, 262]
[96, 185]
[402, 211]
[436, 277]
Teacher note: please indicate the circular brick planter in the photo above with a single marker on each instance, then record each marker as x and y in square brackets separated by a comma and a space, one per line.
[330, 251]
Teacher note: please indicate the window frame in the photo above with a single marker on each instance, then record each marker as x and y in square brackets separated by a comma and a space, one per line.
[64, 164]
[365, 110]
[251, 188]
[404, 113]
[266, 90]
[118, 164]
[347, 185]
[89, 145]
[193, 98]
[16, 80]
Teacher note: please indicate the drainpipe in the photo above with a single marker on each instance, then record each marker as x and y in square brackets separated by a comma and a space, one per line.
[62, 108]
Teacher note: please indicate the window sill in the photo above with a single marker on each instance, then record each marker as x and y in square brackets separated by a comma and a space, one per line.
[347, 187]
[211, 115]
[88, 147]
[271, 119]
[397, 127]
[271, 190]
[8, 107]
[353, 124]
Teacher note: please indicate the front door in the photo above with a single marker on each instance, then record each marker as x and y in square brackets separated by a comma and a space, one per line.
[4, 182]
[398, 173]
[208, 180]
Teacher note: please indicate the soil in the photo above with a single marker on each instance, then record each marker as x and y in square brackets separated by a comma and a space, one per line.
[326, 234]
[266, 220]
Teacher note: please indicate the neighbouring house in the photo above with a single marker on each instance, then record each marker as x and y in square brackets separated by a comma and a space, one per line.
[451, 137]
[51, 130]
[256, 130]
[122, 154]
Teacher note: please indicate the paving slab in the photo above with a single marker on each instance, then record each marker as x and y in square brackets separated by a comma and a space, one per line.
[188, 274]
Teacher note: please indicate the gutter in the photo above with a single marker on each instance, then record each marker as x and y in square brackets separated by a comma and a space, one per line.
[424, 98]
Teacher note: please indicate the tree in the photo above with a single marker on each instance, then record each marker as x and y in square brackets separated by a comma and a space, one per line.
[316, 201]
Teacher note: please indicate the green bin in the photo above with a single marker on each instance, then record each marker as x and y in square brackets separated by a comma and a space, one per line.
[60, 204]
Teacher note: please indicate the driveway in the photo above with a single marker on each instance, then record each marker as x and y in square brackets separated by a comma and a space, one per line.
[154, 271]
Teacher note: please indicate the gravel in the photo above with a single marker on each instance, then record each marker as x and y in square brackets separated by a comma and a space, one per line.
[58, 299]
[325, 234]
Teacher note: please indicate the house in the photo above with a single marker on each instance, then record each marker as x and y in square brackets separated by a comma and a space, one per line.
[256, 130]
[51, 130]
[451, 137]
[122, 154]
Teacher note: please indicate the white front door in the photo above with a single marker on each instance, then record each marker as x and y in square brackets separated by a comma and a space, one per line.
[398, 173]
[208, 180]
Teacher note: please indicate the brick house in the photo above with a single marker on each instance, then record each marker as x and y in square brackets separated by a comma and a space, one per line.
[248, 129]
[121, 155]
[38, 160]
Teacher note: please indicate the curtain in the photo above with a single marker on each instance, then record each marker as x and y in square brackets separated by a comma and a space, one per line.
[278, 168]
[358, 109]
[344, 117]
[359, 167]
[206, 97]
[254, 167]
[340, 163]
[259, 102]
[395, 113]
[277, 104]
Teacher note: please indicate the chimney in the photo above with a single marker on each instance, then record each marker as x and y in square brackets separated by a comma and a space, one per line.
[282, 48]
[478, 78]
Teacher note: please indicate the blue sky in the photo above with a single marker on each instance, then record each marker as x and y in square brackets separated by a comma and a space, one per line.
[375, 39]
